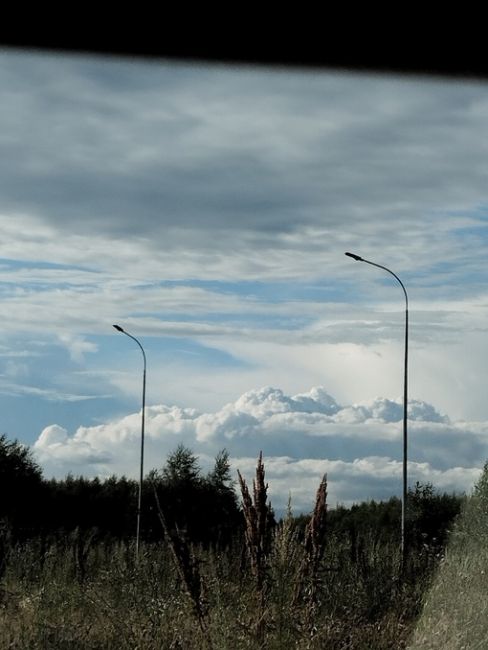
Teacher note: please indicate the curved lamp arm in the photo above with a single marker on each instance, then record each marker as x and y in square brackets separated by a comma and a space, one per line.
[361, 259]
[119, 329]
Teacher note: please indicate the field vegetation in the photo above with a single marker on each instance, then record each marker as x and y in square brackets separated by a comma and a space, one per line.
[217, 571]
[455, 611]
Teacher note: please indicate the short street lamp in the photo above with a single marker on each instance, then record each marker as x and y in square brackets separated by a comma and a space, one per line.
[405, 401]
[139, 500]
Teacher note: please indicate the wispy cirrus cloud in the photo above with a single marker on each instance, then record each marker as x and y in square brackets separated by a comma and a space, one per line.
[52, 395]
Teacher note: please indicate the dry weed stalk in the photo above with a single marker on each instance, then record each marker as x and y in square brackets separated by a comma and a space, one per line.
[285, 542]
[317, 527]
[188, 569]
[83, 542]
[314, 546]
[5, 545]
[256, 515]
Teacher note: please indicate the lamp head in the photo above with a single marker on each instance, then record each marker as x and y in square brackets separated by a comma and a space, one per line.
[118, 328]
[354, 257]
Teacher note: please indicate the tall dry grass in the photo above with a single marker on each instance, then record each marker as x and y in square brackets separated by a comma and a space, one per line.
[300, 589]
[309, 580]
[257, 517]
[455, 609]
[188, 567]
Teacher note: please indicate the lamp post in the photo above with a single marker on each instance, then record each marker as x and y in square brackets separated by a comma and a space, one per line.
[141, 476]
[405, 402]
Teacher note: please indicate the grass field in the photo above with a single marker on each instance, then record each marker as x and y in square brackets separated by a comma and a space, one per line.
[277, 588]
[455, 612]
[113, 603]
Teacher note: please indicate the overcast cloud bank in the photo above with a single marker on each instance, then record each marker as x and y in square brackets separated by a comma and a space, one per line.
[207, 210]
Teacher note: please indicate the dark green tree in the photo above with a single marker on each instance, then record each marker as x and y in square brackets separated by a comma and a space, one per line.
[181, 467]
[83, 503]
[224, 518]
[220, 476]
[430, 515]
[20, 486]
[203, 508]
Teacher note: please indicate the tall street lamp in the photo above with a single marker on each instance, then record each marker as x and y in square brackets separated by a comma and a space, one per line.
[405, 401]
[139, 500]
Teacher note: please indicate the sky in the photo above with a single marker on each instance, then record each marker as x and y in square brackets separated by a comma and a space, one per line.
[206, 209]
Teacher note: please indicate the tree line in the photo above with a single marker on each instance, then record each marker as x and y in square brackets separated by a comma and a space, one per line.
[204, 508]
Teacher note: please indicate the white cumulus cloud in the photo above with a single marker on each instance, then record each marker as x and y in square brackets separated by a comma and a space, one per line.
[302, 437]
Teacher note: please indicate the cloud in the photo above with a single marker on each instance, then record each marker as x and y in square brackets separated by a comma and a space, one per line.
[56, 450]
[50, 394]
[207, 209]
[158, 159]
[77, 346]
[302, 437]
